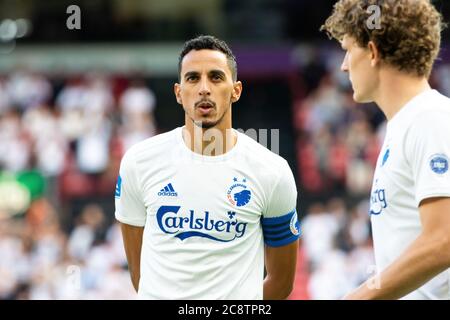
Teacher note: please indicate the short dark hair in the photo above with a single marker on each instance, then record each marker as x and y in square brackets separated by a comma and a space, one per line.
[210, 43]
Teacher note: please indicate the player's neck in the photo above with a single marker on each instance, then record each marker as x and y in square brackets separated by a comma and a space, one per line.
[209, 141]
[397, 89]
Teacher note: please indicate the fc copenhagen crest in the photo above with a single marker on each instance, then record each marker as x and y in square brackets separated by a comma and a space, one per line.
[239, 194]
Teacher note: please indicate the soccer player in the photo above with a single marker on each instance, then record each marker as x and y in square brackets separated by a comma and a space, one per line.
[203, 207]
[390, 50]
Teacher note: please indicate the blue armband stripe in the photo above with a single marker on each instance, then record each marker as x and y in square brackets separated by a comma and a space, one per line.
[282, 229]
[278, 236]
[282, 242]
[277, 221]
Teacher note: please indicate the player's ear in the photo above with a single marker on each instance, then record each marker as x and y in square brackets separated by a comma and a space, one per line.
[374, 54]
[177, 91]
[237, 90]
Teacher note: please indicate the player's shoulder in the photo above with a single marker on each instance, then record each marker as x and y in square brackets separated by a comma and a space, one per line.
[429, 122]
[261, 155]
[434, 102]
[152, 146]
[433, 111]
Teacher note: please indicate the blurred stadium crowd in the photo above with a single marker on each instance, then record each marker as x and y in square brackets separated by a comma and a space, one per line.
[70, 133]
[74, 140]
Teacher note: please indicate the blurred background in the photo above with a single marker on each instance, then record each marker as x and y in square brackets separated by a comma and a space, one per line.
[72, 101]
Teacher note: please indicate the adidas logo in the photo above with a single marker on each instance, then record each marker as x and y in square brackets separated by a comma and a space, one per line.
[168, 191]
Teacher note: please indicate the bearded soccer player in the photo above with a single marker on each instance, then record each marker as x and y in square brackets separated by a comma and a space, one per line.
[203, 207]
[389, 62]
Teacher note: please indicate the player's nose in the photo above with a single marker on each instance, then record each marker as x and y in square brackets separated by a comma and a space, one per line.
[204, 89]
[344, 65]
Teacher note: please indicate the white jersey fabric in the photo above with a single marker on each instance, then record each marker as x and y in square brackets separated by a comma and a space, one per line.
[206, 218]
[413, 165]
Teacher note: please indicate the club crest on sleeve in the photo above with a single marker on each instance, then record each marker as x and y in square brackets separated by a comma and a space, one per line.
[439, 163]
[238, 194]
[118, 187]
[295, 225]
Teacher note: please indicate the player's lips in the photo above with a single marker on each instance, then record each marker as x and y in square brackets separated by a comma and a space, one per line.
[205, 107]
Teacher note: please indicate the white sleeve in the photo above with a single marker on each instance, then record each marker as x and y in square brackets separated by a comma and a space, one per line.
[280, 221]
[130, 208]
[428, 151]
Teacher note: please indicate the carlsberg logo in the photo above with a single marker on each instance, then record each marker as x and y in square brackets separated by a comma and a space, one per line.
[203, 225]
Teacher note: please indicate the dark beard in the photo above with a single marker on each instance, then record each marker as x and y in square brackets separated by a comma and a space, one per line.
[208, 124]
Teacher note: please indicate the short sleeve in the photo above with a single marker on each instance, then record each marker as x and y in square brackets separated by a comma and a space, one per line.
[280, 221]
[130, 208]
[428, 151]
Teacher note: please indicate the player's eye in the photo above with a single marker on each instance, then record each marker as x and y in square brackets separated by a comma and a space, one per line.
[216, 77]
[191, 78]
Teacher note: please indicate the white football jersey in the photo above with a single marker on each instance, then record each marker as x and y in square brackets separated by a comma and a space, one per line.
[206, 218]
[413, 165]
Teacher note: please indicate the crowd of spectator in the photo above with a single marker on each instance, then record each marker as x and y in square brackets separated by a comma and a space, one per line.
[74, 137]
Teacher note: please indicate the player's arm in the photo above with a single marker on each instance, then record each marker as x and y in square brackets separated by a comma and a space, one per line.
[131, 213]
[281, 231]
[425, 258]
[280, 268]
[132, 241]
